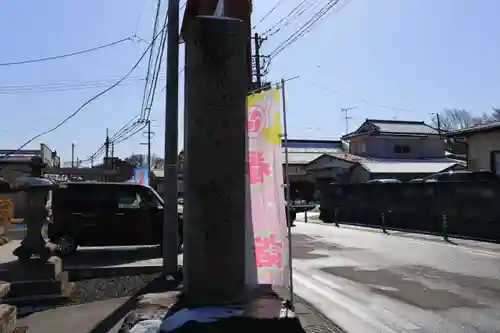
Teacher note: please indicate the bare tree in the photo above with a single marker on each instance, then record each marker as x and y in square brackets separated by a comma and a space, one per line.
[496, 113]
[457, 119]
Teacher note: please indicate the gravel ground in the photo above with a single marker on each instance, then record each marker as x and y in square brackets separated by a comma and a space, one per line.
[101, 289]
[88, 291]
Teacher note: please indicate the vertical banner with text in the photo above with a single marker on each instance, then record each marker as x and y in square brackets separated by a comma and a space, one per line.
[267, 199]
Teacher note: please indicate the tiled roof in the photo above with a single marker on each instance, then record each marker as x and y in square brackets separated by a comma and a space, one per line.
[307, 155]
[393, 127]
[478, 128]
[402, 127]
[301, 158]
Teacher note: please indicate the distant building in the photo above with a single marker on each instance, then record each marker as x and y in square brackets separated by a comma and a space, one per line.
[301, 152]
[14, 163]
[385, 149]
[483, 146]
[397, 149]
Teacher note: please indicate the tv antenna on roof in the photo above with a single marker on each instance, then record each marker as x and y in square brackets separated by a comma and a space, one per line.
[346, 117]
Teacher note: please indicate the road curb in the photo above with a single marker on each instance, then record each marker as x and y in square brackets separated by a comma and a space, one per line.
[321, 323]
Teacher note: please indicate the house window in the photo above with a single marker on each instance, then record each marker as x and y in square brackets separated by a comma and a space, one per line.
[400, 149]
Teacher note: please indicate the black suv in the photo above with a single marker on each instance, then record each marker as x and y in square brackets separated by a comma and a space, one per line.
[106, 214]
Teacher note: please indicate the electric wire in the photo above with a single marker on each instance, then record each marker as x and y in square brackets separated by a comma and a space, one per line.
[291, 14]
[100, 47]
[65, 120]
[138, 123]
[150, 61]
[268, 13]
[306, 27]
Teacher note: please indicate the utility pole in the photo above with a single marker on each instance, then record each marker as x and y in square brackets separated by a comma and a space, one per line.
[170, 237]
[438, 120]
[347, 118]
[91, 161]
[77, 163]
[72, 155]
[106, 144]
[258, 74]
[149, 134]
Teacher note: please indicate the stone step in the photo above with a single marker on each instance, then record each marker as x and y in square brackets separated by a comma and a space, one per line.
[38, 287]
[42, 299]
[31, 270]
[8, 315]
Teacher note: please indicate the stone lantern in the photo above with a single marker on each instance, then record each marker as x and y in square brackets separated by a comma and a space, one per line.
[36, 190]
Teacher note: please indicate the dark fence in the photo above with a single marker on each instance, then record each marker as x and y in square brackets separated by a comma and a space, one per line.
[462, 209]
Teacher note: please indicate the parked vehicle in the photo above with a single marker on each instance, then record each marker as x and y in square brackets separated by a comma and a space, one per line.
[384, 181]
[462, 176]
[106, 214]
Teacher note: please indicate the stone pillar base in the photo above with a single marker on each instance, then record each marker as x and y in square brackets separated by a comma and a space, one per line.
[36, 281]
[8, 314]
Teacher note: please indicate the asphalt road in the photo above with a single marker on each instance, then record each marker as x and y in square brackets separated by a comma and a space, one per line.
[367, 281]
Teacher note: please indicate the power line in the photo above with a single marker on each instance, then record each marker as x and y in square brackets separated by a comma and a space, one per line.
[150, 61]
[65, 120]
[155, 78]
[71, 87]
[268, 13]
[306, 27]
[293, 12]
[23, 62]
[148, 102]
[136, 124]
[360, 100]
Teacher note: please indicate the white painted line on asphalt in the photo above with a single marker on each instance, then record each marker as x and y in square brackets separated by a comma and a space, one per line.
[402, 322]
[354, 318]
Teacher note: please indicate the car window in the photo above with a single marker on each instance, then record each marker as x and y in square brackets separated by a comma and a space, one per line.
[77, 198]
[129, 197]
[150, 198]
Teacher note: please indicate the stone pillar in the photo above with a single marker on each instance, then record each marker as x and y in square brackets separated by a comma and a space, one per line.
[215, 160]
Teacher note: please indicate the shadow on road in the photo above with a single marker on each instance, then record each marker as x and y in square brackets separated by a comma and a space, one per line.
[104, 262]
[111, 256]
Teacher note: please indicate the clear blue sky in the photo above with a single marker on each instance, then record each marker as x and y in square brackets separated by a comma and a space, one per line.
[416, 55]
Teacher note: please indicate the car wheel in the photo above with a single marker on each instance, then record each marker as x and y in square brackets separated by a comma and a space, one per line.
[66, 245]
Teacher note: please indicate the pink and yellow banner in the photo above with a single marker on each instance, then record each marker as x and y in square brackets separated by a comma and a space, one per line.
[267, 199]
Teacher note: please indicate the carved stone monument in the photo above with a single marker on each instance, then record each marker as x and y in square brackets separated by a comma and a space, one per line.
[37, 274]
[36, 191]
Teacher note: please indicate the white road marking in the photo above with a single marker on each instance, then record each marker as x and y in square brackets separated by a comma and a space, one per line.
[352, 317]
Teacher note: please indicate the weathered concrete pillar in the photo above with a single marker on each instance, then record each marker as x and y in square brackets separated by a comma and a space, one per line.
[215, 141]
